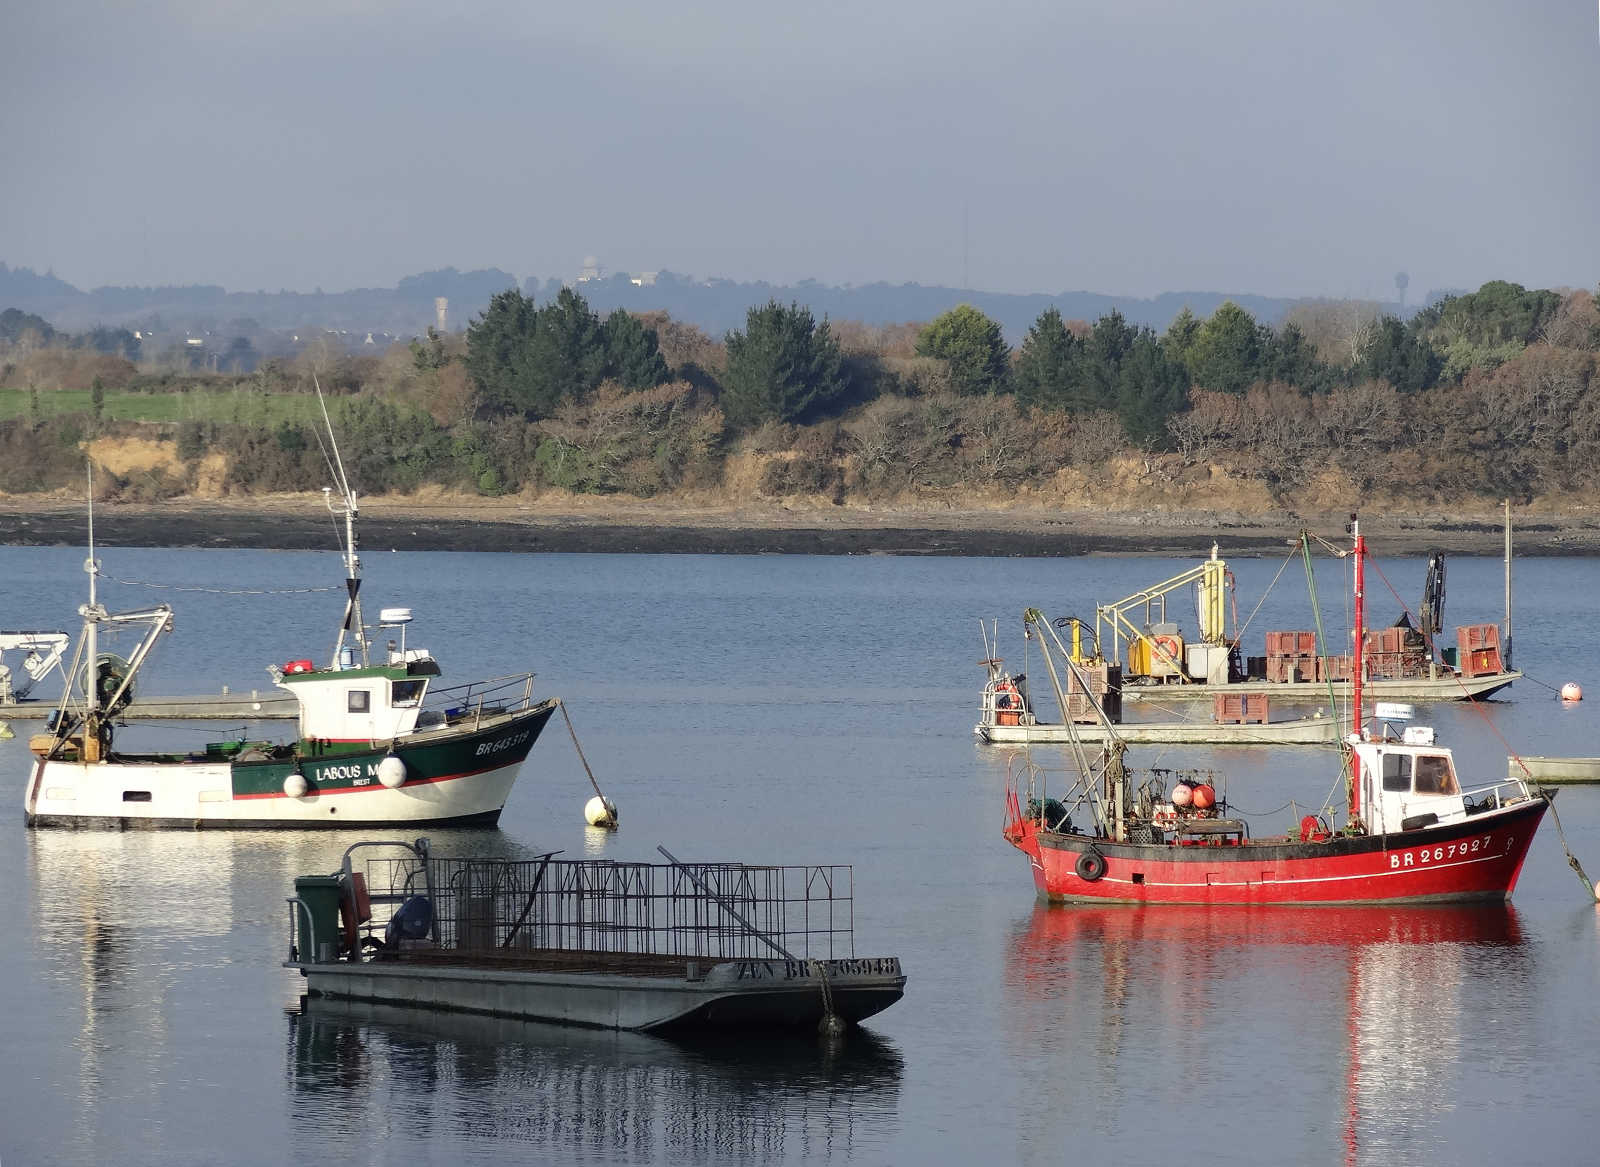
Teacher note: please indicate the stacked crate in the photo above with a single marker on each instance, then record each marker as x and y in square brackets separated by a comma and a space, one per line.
[1291, 656]
[1478, 650]
[1105, 682]
[1240, 708]
[1335, 668]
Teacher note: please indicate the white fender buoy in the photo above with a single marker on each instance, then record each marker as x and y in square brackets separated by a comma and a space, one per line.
[600, 812]
[295, 785]
[1572, 691]
[391, 772]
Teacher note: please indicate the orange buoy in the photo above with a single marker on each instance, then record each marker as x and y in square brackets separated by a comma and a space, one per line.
[1204, 797]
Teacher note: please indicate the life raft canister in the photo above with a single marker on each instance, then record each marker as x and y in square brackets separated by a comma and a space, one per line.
[298, 666]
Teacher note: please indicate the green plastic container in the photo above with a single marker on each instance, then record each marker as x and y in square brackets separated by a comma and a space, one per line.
[320, 894]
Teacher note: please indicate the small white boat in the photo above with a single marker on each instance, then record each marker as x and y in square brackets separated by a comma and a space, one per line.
[379, 743]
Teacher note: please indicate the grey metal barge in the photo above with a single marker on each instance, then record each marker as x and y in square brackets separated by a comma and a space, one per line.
[636, 946]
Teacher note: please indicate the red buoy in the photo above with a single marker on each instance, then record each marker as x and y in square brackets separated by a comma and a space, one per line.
[1204, 797]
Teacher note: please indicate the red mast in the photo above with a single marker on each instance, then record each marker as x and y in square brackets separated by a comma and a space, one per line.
[1360, 665]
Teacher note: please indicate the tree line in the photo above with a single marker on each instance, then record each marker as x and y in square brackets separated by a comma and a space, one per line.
[1486, 393]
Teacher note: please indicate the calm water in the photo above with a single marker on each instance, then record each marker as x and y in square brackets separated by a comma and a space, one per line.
[785, 709]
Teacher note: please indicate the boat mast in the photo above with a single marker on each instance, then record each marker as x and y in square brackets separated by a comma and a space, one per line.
[91, 626]
[347, 510]
[1507, 665]
[1358, 720]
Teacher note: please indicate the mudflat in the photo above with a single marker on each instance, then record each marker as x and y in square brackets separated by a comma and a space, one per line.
[611, 525]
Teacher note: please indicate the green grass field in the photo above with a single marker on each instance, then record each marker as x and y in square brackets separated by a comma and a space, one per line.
[233, 406]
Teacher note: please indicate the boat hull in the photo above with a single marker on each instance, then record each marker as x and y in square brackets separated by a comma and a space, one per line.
[1449, 688]
[738, 993]
[1298, 731]
[455, 777]
[1478, 859]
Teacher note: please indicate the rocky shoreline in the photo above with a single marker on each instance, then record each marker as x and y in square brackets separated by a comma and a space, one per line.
[301, 522]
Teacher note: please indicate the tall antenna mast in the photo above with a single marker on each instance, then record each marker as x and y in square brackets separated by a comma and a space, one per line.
[347, 510]
[90, 613]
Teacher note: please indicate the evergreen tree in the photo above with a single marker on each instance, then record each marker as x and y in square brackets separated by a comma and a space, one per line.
[1045, 364]
[783, 367]
[1289, 357]
[528, 360]
[1226, 354]
[497, 350]
[1100, 359]
[568, 355]
[1180, 336]
[1399, 356]
[971, 344]
[633, 352]
[1150, 388]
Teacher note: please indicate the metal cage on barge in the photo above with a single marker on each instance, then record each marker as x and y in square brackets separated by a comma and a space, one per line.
[624, 945]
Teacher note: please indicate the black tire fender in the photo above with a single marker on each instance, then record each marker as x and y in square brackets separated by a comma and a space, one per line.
[1091, 865]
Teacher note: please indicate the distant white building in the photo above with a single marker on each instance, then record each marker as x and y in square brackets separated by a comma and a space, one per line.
[591, 270]
[644, 279]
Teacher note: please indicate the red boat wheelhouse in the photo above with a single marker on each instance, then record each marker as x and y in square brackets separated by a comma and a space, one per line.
[1412, 834]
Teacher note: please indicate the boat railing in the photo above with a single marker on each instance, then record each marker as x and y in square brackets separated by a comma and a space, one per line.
[1497, 793]
[478, 699]
[710, 911]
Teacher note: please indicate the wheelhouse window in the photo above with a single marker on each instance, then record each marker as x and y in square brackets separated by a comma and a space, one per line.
[1397, 773]
[403, 694]
[360, 701]
[1434, 776]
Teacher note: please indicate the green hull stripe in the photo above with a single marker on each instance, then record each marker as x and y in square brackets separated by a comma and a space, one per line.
[489, 748]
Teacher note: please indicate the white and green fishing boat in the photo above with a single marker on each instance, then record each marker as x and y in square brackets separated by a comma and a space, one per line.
[379, 742]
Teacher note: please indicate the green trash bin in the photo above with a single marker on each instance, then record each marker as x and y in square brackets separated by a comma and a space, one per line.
[320, 894]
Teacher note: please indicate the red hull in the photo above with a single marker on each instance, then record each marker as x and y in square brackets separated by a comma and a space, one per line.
[1476, 860]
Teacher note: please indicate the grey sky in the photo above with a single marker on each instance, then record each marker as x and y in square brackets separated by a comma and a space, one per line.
[1130, 146]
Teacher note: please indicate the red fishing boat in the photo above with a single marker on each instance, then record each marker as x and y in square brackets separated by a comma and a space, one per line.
[1412, 833]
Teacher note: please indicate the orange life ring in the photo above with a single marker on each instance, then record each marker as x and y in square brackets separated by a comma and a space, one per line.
[1170, 645]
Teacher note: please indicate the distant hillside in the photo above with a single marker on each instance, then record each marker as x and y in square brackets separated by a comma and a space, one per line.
[713, 304]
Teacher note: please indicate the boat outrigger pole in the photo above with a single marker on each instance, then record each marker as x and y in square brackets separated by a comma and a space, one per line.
[347, 510]
[1357, 719]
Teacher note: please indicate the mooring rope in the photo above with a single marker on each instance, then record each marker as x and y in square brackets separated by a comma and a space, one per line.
[567, 717]
[831, 1021]
[139, 583]
[1572, 860]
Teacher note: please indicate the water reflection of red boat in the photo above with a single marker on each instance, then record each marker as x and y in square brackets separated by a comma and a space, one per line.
[1412, 833]
[1053, 931]
[1186, 1006]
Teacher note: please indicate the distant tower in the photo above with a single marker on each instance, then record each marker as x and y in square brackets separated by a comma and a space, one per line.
[1401, 280]
[441, 309]
[591, 270]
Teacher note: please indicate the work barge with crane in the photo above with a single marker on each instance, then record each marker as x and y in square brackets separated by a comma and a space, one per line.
[1132, 652]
